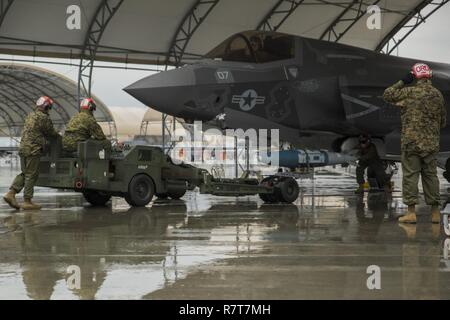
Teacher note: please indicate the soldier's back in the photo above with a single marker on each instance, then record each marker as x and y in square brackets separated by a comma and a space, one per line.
[32, 139]
[77, 130]
[79, 124]
[421, 118]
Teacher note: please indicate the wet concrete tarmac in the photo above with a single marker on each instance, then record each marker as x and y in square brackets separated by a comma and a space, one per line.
[205, 247]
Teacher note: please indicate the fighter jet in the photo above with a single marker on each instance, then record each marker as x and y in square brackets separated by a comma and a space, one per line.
[319, 94]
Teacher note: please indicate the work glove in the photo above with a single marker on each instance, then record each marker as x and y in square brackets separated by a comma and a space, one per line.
[408, 78]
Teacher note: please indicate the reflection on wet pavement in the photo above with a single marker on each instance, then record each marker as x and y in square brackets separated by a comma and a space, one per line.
[205, 247]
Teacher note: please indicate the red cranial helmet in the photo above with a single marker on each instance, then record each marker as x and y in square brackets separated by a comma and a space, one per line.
[88, 104]
[44, 103]
[422, 71]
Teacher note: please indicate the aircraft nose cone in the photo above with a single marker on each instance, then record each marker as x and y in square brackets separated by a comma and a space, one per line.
[168, 92]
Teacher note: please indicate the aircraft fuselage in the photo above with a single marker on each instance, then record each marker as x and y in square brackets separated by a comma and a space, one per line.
[316, 92]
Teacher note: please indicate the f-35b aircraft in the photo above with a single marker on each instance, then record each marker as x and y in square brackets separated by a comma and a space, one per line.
[319, 94]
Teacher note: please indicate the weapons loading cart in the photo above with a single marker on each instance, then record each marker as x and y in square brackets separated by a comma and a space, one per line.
[138, 173]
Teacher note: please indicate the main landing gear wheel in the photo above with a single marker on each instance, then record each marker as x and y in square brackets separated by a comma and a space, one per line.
[140, 191]
[96, 198]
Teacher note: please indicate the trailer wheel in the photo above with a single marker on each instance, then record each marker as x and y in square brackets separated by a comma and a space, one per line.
[96, 198]
[176, 194]
[140, 191]
[269, 198]
[266, 197]
[287, 190]
[263, 197]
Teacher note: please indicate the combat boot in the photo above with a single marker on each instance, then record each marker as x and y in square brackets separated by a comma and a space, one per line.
[29, 205]
[10, 198]
[410, 217]
[410, 230]
[360, 189]
[435, 215]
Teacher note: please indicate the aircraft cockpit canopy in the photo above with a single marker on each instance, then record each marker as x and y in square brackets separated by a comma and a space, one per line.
[255, 47]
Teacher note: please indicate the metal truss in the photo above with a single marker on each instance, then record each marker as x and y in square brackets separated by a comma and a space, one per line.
[278, 14]
[102, 17]
[4, 7]
[112, 130]
[193, 19]
[168, 130]
[27, 96]
[407, 25]
[56, 92]
[30, 92]
[11, 105]
[346, 20]
[191, 22]
[5, 113]
[144, 128]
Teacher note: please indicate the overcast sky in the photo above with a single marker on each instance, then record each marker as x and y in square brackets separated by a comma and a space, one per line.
[430, 42]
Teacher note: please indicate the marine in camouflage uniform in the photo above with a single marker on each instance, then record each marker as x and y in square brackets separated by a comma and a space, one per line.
[82, 127]
[423, 115]
[37, 129]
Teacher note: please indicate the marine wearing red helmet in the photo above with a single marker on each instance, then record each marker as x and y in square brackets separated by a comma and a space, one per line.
[422, 71]
[88, 104]
[423, 116]
[44, 103]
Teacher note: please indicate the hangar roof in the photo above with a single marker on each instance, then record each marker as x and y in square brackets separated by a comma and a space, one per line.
[21, 86]
[175, 31]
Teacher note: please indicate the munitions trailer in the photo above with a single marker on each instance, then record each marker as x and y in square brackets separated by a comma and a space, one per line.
[138, 173]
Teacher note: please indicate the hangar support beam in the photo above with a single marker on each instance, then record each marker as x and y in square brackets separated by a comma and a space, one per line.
[12, 104]
[31, 92]
[9, 103]
[407, 25]
[193, 19]
[102, 17]
[278, 14]
[4, 7]
[346, 20]
[189, 25]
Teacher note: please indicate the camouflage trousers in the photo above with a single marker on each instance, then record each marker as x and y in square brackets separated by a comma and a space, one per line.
[28, 177]
[413, 166]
